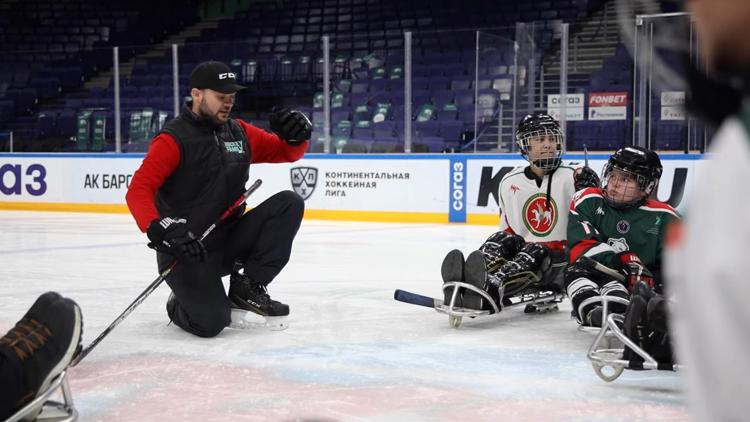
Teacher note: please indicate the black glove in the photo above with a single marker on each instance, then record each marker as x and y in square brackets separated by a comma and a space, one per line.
[585, 177]
[292, 126]
[171, 236]
[631, 265]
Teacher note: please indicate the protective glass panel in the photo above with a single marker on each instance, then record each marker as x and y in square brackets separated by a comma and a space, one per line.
[372, 87]
[493, 97]
[662, 46]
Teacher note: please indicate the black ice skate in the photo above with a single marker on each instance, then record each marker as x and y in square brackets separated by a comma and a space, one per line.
[251, 296]
[248, 296]
[452, 270]
[44, 341]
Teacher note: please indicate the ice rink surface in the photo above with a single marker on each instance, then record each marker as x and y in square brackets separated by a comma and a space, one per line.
[351, 353]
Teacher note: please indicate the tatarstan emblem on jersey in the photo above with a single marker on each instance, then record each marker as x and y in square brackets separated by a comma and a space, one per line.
[623, 226]
[539, 219]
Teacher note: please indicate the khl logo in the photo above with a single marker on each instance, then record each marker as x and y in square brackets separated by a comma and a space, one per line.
[304, 180]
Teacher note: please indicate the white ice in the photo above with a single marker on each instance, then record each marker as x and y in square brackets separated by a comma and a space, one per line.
[352, 353]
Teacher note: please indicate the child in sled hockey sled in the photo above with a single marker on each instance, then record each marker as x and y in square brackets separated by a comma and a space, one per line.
[523, 262]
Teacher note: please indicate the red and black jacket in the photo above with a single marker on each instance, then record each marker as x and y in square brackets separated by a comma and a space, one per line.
[196, 169]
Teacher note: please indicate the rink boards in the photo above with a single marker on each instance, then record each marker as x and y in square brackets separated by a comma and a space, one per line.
[430, 188]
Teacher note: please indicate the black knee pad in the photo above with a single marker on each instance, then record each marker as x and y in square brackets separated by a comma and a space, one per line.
[502, 245]
[537, 255]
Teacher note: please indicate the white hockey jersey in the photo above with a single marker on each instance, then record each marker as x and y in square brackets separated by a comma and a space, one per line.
[523, 205]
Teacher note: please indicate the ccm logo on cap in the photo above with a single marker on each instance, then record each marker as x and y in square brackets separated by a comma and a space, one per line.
[227, 75]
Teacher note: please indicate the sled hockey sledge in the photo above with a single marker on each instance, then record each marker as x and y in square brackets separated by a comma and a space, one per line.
[604, 301]
[534, 301]
[607, 351]
[51, 410]
[603, 357]
[527, 288]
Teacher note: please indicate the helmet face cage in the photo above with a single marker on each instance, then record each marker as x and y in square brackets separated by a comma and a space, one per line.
[632, 195]
[546, 163]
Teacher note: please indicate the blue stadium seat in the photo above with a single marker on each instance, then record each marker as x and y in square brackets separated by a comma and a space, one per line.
[433, 143]
[384, 129]
[451, 130]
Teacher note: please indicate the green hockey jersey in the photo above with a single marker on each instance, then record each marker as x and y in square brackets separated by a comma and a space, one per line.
[599, 231]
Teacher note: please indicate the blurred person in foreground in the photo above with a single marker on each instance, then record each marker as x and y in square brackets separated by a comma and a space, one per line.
[706, 256]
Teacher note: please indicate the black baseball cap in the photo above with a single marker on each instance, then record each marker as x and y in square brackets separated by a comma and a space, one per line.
[214, 75]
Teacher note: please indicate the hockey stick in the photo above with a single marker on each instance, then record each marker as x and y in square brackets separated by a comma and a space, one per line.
[585, 156]
[416, 299]
[163, 275]
[594, 265]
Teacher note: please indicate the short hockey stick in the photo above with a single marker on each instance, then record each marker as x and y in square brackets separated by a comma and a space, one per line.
[163, 276]
[416, 299]
[585, 156]
[594, 265]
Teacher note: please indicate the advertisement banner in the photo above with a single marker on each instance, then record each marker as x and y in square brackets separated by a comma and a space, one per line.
[92, 180]
[672, 98]
[608, 105]
[398, 185]
[573, 108]
[428, 188]
[673, 113]
[32, 179]
[457, 181]
[484, 178]
[673, 105]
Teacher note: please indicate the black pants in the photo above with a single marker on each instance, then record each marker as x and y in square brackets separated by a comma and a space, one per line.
[261, 239]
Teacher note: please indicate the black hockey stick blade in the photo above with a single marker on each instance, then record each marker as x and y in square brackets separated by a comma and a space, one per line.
[416, 299]
[590, 263]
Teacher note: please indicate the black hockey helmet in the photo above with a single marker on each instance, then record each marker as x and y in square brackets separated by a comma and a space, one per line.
[539, 125]
[643, 164]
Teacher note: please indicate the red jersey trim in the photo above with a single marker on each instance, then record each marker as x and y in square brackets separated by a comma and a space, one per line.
[584, 195]
[556, 244]
[580, 248]
[654, 205]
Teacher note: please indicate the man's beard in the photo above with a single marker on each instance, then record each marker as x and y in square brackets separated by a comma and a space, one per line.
[214, 118]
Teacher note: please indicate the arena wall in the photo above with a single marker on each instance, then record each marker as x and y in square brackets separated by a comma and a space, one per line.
[429, 188]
